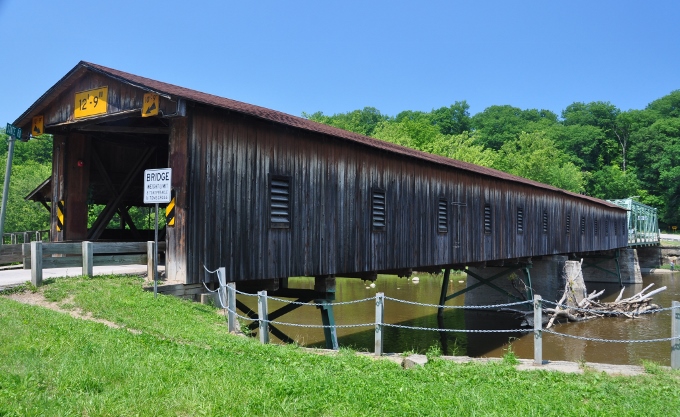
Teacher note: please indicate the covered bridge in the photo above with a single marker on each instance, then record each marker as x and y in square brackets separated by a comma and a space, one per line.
[268, 195]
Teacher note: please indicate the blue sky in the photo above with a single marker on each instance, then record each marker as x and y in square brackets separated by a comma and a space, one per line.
[307, 56]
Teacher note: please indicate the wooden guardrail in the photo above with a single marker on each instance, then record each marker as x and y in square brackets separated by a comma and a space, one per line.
[37, 256]
[14, 238]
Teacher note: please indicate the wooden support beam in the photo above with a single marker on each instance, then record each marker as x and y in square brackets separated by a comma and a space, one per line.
[112, 206]
[126, 129]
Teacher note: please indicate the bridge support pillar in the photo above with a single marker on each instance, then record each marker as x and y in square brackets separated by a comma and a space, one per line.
[545, 280]
[651, 257]
[620, 266]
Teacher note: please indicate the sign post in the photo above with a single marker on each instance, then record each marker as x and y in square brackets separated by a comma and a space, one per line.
[14, 134]
[157, 187]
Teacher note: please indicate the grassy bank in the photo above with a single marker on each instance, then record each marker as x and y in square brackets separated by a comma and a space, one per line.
[171, 357]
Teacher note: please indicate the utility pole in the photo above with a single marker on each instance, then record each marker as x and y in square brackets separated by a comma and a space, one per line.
[8, 171]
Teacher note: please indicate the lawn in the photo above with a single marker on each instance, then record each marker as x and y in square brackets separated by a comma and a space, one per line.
[168, 357]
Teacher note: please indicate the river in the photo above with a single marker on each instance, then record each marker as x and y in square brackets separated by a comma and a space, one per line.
[427, 291]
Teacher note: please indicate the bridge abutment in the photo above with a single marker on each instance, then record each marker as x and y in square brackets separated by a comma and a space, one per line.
[603, 267]
[546, 280]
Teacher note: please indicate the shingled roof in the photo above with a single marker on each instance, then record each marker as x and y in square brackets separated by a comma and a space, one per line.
[174, 92]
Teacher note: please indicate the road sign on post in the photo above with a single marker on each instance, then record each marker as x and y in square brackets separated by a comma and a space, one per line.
[13, 131]
[157, 186]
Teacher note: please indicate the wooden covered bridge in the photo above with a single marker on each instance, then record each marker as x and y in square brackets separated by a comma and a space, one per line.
[269, 196]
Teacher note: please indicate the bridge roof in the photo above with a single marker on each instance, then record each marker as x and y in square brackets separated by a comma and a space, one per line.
[173, 92]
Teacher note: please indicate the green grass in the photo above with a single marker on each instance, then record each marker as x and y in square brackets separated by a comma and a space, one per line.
[180, 361]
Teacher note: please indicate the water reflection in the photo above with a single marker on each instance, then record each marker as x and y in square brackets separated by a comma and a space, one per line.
[427, 291]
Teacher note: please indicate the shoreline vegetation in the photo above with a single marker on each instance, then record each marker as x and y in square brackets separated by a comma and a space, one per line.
[166, 356]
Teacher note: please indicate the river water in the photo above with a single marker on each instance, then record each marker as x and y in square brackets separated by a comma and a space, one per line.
[427, 291]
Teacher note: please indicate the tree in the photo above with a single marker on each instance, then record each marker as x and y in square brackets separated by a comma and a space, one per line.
[462, 147]
[535, 156]
[656, 153]
[452, 120]
[666, 106]
[612, 183]
[497, 125]
[362, 121]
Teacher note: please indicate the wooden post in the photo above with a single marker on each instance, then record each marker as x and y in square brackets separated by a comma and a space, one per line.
[263, 315]
[27, 237]
[150, 253]
[538, 327]
[231, 306]
[379, 319]
[88, 259]
[26, 254]
[36, 263]
[675, 332]
[222, 290]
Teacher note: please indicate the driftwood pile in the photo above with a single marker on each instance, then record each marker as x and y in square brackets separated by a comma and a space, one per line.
[574, 310]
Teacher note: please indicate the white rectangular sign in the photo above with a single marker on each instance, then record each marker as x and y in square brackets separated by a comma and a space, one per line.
[157, 185]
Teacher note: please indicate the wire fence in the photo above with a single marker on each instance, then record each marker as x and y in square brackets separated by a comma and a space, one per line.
[228, 302]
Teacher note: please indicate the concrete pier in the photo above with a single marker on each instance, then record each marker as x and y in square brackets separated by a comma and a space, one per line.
[602, 267]
[546, 278]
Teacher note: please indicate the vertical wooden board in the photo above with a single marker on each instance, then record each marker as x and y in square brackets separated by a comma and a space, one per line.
[57, 184]
[77, 181]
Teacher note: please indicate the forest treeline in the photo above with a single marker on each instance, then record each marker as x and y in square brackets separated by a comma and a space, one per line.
[590, 148]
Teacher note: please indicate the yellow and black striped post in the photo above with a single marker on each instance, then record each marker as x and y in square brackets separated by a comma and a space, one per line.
[60, 215]
[170, 211]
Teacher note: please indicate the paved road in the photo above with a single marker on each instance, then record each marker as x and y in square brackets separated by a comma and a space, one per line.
[13, 277]
[668, 236]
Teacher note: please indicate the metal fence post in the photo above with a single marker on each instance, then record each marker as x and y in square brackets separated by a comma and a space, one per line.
[262, 315]
[36, 263]
[379, 319]
[231, 306]
[88, 258]
[538, 327]
[675, 332]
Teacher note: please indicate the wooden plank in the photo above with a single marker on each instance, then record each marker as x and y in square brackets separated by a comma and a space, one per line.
[6, 250]
[62, 262]
[112, 260]
[62, 248]
[10, 259]
[119, 247]
[78, 182]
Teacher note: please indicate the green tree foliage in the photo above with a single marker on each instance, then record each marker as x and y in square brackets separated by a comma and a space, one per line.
[363, 121]
[612, 183]
[497, 125]
[31, 165]
[656, 151]
[535, 156]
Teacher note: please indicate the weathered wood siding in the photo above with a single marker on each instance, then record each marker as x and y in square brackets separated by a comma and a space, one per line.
[122, 97]
[231, 158]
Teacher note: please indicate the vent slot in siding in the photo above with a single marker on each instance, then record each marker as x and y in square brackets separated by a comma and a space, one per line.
[378, 209]
[583, 225]
[568, 225]
[443, 216]
[487, 219]
[520, 220]
[279, 202]
[545, 221]
[616, 228]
